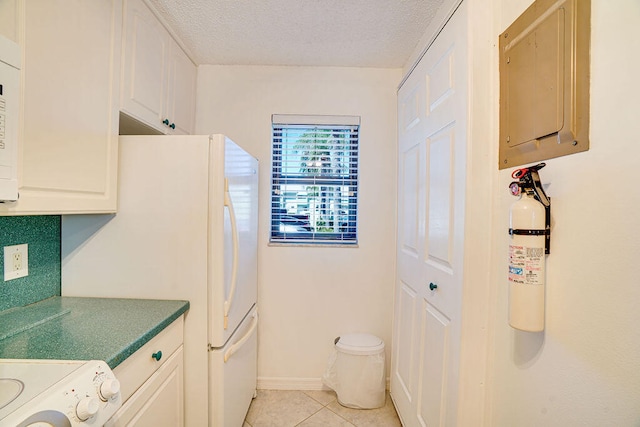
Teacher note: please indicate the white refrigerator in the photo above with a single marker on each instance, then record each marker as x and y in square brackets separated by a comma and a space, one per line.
[186, 228]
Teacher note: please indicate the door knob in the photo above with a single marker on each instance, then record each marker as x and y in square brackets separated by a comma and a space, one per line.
[433, 286]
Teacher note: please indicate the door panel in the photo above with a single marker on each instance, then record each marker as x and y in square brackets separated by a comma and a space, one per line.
[406, 347]
[440, 79]
[410, 110]
[432, 140]
[439, 249]
[410, 200]
[436, 331]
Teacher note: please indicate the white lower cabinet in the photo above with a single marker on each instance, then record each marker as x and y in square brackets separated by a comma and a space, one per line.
[159, 401]
[152, 384]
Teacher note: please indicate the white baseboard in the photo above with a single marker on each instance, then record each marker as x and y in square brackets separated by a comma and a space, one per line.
[286, 383]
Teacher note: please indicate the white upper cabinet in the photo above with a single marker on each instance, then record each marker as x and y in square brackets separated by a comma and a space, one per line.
[145, 61]
[181, 95]
[8, 20]
[68, 133]
[159, 79]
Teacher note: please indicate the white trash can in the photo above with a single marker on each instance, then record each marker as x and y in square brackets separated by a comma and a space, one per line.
[356, 371]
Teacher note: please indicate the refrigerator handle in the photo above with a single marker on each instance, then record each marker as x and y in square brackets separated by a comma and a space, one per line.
[236, 346]
[234, 265]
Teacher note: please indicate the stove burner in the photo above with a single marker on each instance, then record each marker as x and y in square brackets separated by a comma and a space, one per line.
[10, 389]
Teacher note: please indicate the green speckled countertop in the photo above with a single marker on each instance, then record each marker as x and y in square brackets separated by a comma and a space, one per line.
[70, 328]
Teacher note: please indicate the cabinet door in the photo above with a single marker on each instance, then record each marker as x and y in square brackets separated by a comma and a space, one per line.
[432, 118]
[69, 128]
[145, 74]
[159, 401]
[181, 91]
[9, 19]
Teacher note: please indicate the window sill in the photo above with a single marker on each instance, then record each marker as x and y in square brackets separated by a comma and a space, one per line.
[313, 245]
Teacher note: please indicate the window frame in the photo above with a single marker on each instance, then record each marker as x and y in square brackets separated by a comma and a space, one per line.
[348, 124]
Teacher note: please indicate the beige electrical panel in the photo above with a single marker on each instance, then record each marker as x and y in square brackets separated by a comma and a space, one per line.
[544, 83]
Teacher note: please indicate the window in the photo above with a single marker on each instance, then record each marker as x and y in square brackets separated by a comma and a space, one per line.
[314, 188]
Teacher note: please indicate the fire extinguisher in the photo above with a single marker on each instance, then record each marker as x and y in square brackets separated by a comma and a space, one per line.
[530, 231]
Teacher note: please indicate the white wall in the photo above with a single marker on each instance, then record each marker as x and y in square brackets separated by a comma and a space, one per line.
[584, 369]
[310, 295]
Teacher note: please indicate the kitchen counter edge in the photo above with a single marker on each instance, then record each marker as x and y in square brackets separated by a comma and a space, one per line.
[80, 328]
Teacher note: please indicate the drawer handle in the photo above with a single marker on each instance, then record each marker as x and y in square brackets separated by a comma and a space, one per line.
[165, 122]
[157, 355]
[433, 286]
[172, 125]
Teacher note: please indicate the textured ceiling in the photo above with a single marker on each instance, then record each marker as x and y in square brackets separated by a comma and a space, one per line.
[353, 33]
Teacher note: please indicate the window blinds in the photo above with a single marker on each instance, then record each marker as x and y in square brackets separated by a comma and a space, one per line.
[314, 188]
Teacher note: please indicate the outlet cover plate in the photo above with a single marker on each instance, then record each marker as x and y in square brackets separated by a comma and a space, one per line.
[16, 261]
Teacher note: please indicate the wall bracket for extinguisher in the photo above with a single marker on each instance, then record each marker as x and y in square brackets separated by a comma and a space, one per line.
[529, 182]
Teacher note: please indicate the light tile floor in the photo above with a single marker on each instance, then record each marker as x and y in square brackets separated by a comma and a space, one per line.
[290, 408]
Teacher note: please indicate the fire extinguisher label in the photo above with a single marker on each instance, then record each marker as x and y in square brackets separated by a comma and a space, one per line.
[526, 265]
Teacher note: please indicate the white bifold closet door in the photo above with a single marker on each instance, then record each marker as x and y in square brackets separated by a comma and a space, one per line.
[432, 127]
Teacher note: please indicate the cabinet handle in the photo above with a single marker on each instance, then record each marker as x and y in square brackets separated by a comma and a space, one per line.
[433, 286]
[172, 125]
[157, 355]
[165, 122]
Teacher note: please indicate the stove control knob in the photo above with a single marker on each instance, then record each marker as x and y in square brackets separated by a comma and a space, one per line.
[108, 389]
[87, 408]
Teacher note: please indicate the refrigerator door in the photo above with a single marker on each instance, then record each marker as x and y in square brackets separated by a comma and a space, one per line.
[232, 375]
[232, 257]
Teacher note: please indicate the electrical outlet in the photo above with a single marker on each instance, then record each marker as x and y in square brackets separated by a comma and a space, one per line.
[16, 261]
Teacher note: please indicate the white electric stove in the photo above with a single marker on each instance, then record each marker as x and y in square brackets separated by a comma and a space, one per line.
[57, 393]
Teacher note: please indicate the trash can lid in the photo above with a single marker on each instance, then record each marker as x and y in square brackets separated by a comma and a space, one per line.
[360, 344]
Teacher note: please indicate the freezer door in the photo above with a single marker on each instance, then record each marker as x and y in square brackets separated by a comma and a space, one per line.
[233, 238]
[232, 375]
